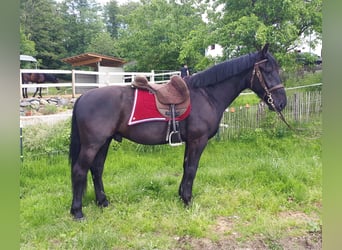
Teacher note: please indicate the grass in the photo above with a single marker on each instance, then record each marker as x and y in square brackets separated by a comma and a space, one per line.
[258, 188]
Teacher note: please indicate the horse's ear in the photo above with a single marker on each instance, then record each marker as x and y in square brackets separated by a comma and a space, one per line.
[265, 49]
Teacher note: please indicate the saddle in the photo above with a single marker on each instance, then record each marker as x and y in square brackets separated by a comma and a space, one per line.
[172, 100]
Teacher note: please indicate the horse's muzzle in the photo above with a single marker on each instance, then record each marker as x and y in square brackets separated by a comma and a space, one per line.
[276, 100]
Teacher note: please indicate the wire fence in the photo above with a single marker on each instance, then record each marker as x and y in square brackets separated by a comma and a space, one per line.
[302, 107]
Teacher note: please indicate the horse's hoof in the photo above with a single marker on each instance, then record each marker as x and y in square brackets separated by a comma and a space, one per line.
[103, 203]
[186, 202]
[78, 215]
[79, 219]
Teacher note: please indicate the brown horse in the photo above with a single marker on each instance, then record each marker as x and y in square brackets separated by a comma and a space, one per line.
[37, 78]
[102, 114]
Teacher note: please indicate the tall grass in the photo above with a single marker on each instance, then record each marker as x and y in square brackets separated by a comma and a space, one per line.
[260, 187]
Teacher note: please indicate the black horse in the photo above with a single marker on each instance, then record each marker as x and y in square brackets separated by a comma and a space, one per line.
[37, 78]
[102, 114]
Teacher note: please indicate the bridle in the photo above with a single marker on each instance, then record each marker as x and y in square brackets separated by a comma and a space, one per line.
[257, 72]
[268, 91]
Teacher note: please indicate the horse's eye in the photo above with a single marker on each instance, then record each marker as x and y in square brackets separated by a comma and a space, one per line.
[268, 68]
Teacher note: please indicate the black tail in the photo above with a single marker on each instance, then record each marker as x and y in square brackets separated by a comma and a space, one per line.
[75, 145]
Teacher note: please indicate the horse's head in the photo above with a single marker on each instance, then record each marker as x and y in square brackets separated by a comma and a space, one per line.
[265, 81]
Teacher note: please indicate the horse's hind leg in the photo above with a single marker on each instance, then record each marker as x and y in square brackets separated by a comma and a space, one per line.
[40, 92]
[96, 171]
[79, 178]
[35, 92]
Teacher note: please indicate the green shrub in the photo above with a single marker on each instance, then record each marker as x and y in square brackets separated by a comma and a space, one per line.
[49, 109]
[46, 139]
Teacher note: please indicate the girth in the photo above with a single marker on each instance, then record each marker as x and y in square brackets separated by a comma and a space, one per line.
[172, 100]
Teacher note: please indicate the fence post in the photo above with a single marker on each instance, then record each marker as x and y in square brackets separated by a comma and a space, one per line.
[296, 108]
[21, 85]
[152, 76]
[73, 80]
[21, 143]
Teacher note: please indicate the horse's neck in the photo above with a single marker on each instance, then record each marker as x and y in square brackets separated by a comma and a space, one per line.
[224, 94]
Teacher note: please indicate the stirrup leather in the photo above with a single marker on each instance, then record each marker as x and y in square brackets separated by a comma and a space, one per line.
[170, 136]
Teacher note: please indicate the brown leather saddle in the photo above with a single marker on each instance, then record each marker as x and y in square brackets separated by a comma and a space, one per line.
[172, 100]
[175, 92]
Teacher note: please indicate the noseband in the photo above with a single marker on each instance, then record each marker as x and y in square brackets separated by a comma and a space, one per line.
[268, 91]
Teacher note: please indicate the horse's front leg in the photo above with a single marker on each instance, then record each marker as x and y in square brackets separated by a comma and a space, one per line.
[24, 92]
[192, 155]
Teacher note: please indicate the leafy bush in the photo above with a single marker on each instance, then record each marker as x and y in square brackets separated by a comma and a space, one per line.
[307, 58]
[46, 139]
[49, 109]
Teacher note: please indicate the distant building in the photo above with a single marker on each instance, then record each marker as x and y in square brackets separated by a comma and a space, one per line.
[214, 50]
[304, 45]
[30, 59]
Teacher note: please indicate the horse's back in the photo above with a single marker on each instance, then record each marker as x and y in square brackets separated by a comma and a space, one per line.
[105, 107]
[37, 77]
[50, 78]
[105, 112]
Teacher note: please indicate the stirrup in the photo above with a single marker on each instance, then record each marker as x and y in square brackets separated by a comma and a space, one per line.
[174, 143]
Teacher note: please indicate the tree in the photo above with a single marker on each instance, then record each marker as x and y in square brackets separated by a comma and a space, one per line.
[27, 47]
[153, 33]
[163, 34]
[111, 12]
[192, 50]
[245, 25]
[103, 44]
[81, 23]
[40, 22]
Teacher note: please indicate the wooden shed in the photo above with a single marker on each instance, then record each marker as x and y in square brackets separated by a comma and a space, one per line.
[101, 64]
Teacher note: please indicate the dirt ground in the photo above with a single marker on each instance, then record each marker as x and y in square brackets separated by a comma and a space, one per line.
[312, 240]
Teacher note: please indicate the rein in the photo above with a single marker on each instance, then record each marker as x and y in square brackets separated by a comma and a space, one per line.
[257, 72]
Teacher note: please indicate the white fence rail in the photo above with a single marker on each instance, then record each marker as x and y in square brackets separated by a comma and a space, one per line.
[126, 78]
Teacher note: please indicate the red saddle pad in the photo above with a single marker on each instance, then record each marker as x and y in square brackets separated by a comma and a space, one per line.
[145, 109]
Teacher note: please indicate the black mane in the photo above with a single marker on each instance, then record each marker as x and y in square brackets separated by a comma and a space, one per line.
[223, 71]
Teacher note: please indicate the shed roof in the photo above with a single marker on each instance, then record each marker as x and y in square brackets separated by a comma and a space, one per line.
[27, 58]
[92, 60]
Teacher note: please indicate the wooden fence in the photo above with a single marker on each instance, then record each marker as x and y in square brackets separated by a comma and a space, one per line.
[302, 107]
[125, 78]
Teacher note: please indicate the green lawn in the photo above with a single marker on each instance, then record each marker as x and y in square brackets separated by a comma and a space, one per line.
[261, 190]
